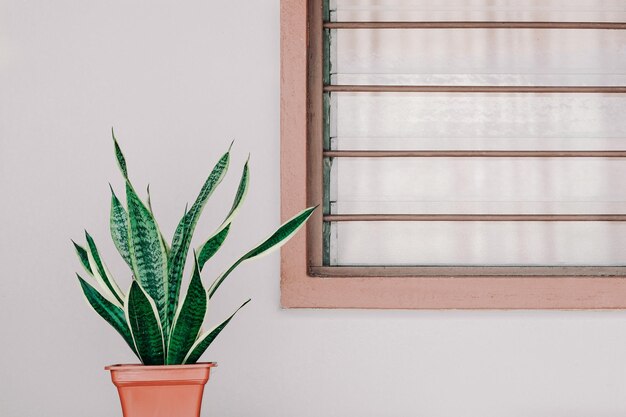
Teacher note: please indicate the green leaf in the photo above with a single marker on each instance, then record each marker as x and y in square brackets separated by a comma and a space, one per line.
[242, 191]
[113, 314]
[176, 264]
[121, 161]
[203, 342]
[184, 231]
[149, 202]
[215, 241]
[82, 255]
[275, 241]
[188, 320]
[147, 253]
[211, 246]
[216, 176]
[145, 326]
[101, 273]
[119, 228]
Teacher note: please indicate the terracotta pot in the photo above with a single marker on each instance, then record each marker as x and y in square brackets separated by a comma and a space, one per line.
[161, 391]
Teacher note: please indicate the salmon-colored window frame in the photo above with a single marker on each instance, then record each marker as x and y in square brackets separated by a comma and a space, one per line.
[306, 284]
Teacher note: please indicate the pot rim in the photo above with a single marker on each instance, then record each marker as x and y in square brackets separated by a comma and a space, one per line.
[136, 366]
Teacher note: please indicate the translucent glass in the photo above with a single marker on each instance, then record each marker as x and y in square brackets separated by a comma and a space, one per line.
[516, 10]
[478, 185]
[478, 243]
[479, 57]
[478, 121]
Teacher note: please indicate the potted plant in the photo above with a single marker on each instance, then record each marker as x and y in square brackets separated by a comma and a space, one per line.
[163, 329]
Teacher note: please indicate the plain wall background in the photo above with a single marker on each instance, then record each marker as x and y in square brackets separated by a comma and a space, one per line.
[179, 80]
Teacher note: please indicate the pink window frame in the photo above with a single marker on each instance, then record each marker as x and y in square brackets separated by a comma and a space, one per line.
[305, 284]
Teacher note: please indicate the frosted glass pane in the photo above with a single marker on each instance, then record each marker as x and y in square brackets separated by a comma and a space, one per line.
[495, 121]
[478, 185]
[460, 121]
[433, 10]
[479, 57]
[479, 243]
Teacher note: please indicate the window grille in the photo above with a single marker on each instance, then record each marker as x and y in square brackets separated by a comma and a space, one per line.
[465, 154]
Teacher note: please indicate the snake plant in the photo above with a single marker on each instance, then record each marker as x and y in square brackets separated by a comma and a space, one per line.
[160, 328]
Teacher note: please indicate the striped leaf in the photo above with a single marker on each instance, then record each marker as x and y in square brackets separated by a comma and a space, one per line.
[203, 342]
[272, 243]
[188, 320]
[184, 231]
[216, 176]
[242, 191]
[84, 258]
[119, 228]
[213, 243]
[176, 264]
[113, 314]
[145, 326]
[149, 203]
[147, 253]
[101, 273]
[119, 156]
[211, 246]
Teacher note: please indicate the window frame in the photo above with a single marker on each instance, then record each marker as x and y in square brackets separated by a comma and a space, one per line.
[307, 284]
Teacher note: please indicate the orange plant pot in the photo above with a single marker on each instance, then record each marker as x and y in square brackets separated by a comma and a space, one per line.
[161, 391]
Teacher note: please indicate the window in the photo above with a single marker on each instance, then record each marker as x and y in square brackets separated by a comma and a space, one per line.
[464, 154]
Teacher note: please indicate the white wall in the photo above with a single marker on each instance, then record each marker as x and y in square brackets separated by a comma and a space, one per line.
[178, 80]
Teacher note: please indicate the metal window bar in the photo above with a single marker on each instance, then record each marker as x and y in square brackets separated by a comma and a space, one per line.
[476, 25]
[319, 88]
[473, 153]
[474, 89]
[475, 217]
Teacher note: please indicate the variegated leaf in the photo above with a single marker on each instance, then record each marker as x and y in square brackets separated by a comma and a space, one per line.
[119, 228]
[203, 342]
[188, 320]
[211, 246]
[186, 226]
[101, 273]
[242, 191]
[113, 314]
[176, 264]
[149, 202]
[216, 176]
[272, 243]
[145, 326]
[213, 243]
[84, 258]
[119, 156]
[147, 252]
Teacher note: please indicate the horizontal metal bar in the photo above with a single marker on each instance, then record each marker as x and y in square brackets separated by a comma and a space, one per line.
[475, 25]
[471, 89]
[475, 217]
[470, 153]
[466, 271]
